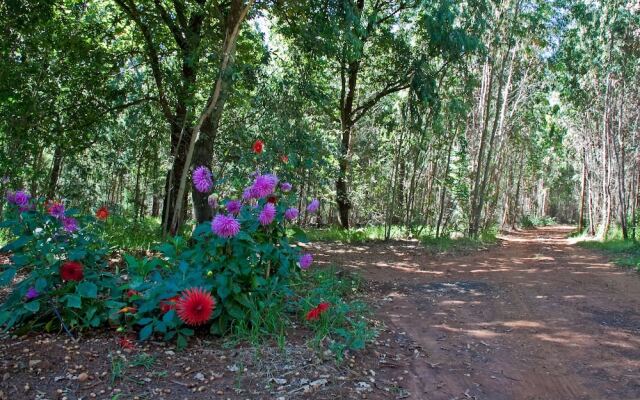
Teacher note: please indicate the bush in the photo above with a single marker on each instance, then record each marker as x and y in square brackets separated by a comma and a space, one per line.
[230, 274]
[64, 264]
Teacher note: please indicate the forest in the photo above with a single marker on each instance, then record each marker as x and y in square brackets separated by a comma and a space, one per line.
[197, 170]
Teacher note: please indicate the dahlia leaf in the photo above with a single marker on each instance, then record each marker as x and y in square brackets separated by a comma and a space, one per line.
[87, 289]
[7, 276]
[146, 332]
[32, 306]
[73, 301]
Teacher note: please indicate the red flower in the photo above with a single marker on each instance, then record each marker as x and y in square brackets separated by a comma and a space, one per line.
[272, 199]
[102, 213]
[315, 313]
[168, 304]
[71, 271]
[258, 146]
[125, 343]
[131, 293]
[284, 158]
[195, 306]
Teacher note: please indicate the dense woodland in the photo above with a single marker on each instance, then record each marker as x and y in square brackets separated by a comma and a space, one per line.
[437, 116]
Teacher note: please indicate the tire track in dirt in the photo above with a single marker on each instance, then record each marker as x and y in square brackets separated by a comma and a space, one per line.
[531, 318]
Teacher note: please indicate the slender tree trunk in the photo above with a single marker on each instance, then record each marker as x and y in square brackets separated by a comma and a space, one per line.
[56, 168]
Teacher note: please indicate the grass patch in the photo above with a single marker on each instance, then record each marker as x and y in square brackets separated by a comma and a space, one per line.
[461, 244]
[624, 253]
[343, 326]
[356, 235]
[126, 234]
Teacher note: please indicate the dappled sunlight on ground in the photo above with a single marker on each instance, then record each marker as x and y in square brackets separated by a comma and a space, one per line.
[534, 314]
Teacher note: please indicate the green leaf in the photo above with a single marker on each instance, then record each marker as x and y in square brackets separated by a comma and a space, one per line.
[16, 244]
[77, 254]
[146, 332]
[145, 321]
[181, 343]
[73, 301]
[87, 289]
[32, 306]
[168, 317]
[41, 284]
[7, 276]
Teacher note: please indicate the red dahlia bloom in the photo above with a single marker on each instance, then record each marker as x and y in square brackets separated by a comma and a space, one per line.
[272, 199]
[71, 271]
[102, 213]
[258, 146]
[315, 313]
[168, 304]
[195, 306]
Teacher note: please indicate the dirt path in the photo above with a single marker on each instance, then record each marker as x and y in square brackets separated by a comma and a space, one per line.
[532, 318]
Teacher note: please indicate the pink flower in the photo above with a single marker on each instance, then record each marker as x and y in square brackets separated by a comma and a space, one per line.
[202, 179]
[56, 210]
[69, 224]
[291, 213]
[225, 226]
[234, 206]
[263, 185]
[313, 206]
[305, 261]
[286, 187]
[267, 214]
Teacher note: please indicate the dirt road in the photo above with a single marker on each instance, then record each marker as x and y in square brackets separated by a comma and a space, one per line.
[532, 318]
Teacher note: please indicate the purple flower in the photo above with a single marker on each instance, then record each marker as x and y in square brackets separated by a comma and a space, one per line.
[263, 185]
[291, 213]
[70, 224]
[202, 179]
[267, 214]
[32, 293]
[56, 210]
[246, 194]
[225, 226]
[19, 198]
[286, 187]
[305, 261]
[313, 206]
[234, 206]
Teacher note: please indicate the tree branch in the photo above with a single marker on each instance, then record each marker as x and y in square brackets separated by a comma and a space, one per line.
[152, 53]
[178, 35]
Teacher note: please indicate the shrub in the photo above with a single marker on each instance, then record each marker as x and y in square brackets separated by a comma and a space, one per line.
[62, 262]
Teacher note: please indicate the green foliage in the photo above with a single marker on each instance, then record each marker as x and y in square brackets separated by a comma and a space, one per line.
[446, 244]
[39, 248]
[344, 325]
[531, 221]
[625, 253]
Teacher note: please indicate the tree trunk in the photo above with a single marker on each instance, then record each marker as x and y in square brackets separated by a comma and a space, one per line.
[56, 168]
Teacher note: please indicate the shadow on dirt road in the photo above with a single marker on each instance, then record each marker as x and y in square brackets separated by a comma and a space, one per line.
[531, 318]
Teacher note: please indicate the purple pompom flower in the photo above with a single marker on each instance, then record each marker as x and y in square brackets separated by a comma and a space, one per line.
[19, 198]
[56, 210]
[286, 187]
[263, 185]
[267, 214]
[313, 206]
[225, 226]
[234, 206]
[305, 261]
[202, 179]
[291, 213]
[70, 224]
[32, 293]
